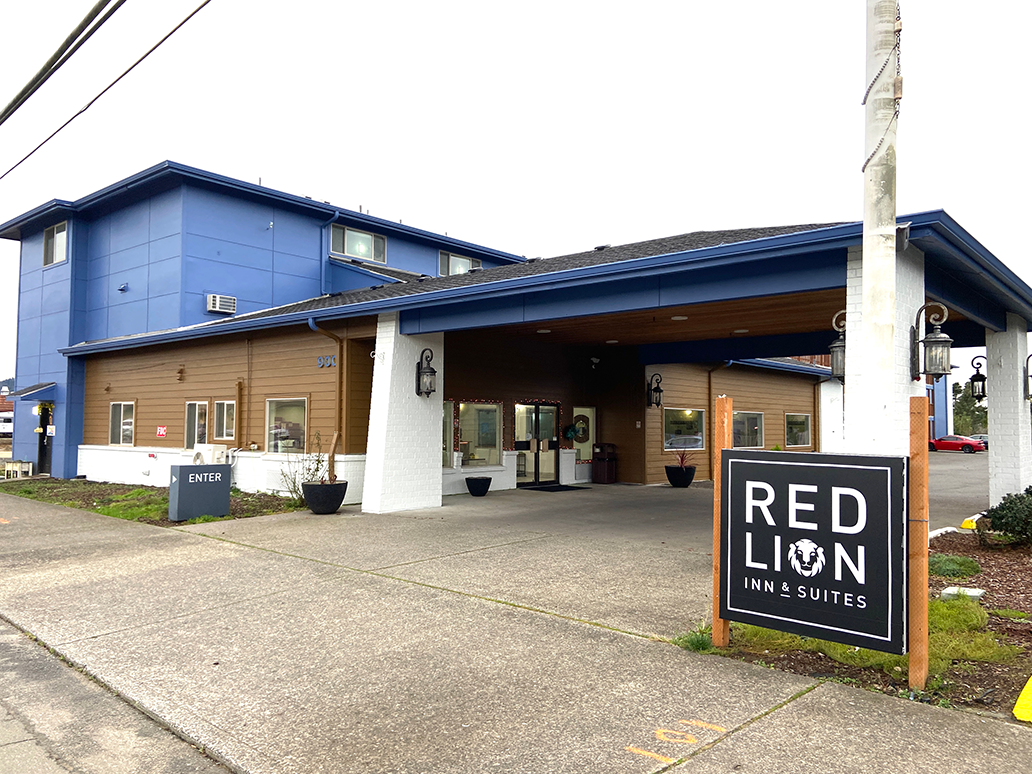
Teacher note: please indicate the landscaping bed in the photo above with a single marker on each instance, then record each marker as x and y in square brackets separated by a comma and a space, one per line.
[148, 504]
[1000, 629]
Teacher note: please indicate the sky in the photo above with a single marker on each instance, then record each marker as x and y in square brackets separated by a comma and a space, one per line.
[538, 128]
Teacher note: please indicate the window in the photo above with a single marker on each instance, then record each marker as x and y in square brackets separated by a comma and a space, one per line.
[480, 433]
[448, 436]
[797, 429]
[120, 431]
[285, 423]
[456, 264]
[358, 244]
[684, 429]
[196, 423]
[55, 244]
[225, 420]
[747, 428]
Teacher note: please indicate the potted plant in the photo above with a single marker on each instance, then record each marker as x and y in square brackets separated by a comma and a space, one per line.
[326, 494]
[683, 473]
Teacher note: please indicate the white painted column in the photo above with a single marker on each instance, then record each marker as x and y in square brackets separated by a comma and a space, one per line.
[403, 452]
[878, 384]
[1010, 435]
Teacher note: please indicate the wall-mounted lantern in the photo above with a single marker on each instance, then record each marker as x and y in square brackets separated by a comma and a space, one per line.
[838, 347]
[978, 391]
[426, 375]
[936, 346]
[654, 393]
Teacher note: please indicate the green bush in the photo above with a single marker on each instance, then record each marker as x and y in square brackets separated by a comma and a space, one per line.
[1013, 516]
[950, 566]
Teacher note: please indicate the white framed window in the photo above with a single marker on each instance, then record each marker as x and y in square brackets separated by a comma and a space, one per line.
[55, 244]
[358, 244]
[684, 428]
[121, 425]
[285, 423]
[480, 433]
[196, 423]
[797, 429]
[225, 420]
[747, 429]
[456, 264]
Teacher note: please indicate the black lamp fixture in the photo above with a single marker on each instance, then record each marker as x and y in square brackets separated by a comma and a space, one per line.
[426, 374]
[838, 347]
[978, 379]
[936, 346]
[654, 393]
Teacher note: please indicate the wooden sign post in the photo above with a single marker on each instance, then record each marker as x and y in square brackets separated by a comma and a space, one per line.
[917, 545]
[722, 439]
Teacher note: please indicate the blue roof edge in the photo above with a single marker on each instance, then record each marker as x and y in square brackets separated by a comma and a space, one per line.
[778, 365]
[175, 168]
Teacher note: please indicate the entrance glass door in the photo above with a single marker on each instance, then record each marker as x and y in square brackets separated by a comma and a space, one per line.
[537, 444]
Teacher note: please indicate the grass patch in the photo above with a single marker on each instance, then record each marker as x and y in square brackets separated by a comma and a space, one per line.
[950, 566]
[1013, 615]
[135, 503]
[956, 632]
[699, 640]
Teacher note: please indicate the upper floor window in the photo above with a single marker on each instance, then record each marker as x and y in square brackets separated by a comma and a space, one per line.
[457, 264]
[55, 244]
[358, 244]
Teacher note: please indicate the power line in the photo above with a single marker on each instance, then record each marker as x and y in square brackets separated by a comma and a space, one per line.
[62, 55]
[106, 89]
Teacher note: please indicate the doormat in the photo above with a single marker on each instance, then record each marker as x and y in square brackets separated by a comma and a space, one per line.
[554, 488]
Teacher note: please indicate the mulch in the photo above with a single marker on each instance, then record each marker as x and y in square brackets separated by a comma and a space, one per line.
[1006, 577]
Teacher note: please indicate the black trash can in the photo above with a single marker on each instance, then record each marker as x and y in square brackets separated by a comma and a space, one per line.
[603, 464]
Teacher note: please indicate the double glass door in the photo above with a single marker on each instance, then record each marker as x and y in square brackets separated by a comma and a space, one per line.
[537, 444]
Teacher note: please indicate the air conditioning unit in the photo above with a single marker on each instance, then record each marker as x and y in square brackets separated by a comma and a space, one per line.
[209, 454]
[217, 303]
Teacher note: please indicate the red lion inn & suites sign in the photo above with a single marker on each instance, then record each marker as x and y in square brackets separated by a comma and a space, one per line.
[815, 544]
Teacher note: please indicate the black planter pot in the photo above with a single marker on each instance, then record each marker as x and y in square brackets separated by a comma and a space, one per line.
[680, 477]
[478, 485]
[324, 498]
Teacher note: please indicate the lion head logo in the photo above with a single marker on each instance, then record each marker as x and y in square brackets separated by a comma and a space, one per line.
[806, 557]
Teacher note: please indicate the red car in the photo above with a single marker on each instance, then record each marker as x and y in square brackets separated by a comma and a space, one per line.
[956, 443]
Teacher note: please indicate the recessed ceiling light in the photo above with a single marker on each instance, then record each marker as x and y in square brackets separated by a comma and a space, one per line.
[679, 317]
[612, 341]
[740, 330]
[544, 330]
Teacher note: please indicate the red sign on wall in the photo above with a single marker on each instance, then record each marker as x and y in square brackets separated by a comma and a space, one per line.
[162, 431]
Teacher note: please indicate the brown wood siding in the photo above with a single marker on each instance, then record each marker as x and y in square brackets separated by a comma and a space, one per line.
[689, 386]
[358, 395]
[268, 364]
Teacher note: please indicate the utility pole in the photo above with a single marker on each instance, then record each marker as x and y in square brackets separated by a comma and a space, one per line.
[876, 380]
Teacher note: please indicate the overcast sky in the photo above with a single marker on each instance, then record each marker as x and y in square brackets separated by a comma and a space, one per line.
[539, 128]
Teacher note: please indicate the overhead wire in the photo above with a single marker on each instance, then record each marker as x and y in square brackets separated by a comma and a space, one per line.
[106, 89]
[73, 42]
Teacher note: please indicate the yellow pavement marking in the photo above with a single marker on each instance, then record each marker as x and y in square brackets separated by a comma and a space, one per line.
[647, 754]
[670, 735]
[969, 524]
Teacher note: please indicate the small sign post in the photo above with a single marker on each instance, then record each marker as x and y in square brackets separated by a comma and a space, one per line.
[198, 490]
[722, 439]
[917, 542]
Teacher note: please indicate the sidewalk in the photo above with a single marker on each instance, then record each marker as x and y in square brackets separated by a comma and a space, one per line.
[512, 633]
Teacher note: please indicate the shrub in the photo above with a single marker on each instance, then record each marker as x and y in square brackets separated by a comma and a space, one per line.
[1013, 516]
[950, 566]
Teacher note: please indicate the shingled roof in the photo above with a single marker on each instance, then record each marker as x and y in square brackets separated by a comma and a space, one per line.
[535, 266]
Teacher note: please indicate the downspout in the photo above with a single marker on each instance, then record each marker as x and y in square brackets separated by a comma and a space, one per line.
[324, 251]
[338, 428]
